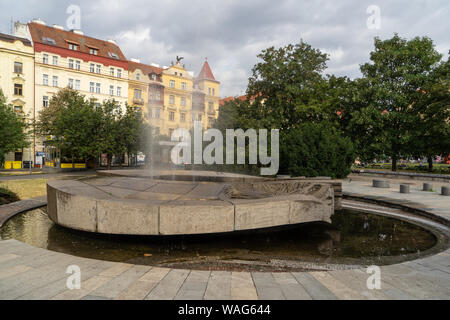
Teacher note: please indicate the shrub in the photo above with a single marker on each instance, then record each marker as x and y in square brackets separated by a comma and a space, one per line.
[316, 149]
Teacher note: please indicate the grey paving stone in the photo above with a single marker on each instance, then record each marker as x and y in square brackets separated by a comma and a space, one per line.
[194, 286]
[219, 286]
[267, 287]
[118, 284]
[290, 287]
[313, 287]
[168, 287]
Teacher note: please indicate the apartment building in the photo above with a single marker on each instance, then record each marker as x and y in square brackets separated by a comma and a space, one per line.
[17, 84]
[68, 58]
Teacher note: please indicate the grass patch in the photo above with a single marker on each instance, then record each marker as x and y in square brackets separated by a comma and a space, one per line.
[26, 189]
[7, 196]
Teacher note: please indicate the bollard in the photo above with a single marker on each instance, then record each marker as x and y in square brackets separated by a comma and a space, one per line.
[404, 188]
[445, 191]
[380, 184]
[427, 187]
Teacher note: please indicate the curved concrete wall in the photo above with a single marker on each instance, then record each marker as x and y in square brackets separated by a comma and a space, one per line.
[81, 206]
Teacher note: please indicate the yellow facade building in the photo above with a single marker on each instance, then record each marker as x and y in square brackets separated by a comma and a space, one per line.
[17, 84]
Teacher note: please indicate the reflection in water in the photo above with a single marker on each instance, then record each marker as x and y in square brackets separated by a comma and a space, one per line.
[353, 237]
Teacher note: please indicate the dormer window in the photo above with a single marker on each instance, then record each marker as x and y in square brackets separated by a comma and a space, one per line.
[48, 40]
[93, 51]
[153, 76]
[73, 46]
[113, 55]
[138, 77]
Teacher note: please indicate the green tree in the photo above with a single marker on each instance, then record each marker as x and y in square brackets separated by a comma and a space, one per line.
[73, 123]
[431, 130]
[390, 83]
[287, 86]
[316, 149]
[12, 129]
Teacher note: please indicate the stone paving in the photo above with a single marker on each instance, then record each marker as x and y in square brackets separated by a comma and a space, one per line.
[430, 201]
[28, 272]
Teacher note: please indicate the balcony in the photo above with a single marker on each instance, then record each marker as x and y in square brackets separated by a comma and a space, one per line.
[138, 101]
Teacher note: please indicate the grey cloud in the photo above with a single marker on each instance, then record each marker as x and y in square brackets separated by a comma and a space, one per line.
[231, 33]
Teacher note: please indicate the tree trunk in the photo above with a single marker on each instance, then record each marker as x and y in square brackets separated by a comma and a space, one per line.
[430, 163]
[394, 163]
[109, 157]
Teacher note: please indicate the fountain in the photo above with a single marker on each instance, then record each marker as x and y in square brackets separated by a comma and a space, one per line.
[184, 202]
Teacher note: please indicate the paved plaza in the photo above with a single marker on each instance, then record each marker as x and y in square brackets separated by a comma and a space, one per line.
[28, 272]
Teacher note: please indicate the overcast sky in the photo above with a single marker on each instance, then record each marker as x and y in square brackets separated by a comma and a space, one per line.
[232, 32]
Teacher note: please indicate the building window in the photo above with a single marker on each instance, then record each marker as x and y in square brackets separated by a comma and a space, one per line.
[18, 110]
[158, 96]
[171, 131]
[119, 91]
[55, 60]
[157, 113]
[73, 46]
[111, 72]
[119, 73]
[138, 76]
[92, 68]
[183, 117]
[153, 76]
[137, 93]
[70, 63]
[97, 88]
[55, 81]
[18, 89]
[172, 99]
[172, 84]
[211, 106]
[149, 113]
[209, 91]
[77, 84]
[111, 90]
[193, 117]
[93, 51]
[78, 65]
[99, 69]
[157, 130]
[181, 74]
[151, 96]
[71, 83]
[91, 87]
[183, 85]
[45, 58]
[45, 79]
[183, 101]
[45, 101]
[172, 116]
[18, 67]
[199, 118]
[210, 121]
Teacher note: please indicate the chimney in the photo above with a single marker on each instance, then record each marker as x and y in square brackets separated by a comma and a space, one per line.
[77, 31]
[39, 21]
[57, 26]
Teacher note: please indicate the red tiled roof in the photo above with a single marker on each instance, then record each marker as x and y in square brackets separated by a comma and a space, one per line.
[146, 69]
[241, 98]
[206, 73]
[62, 38]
